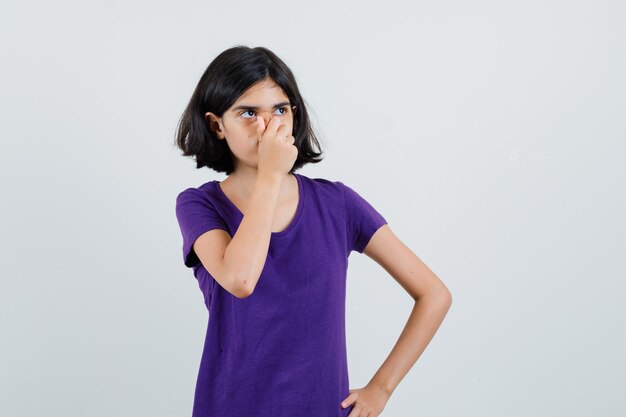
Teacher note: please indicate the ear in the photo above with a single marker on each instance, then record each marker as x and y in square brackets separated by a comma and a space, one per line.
[294, 109]
[215, 124]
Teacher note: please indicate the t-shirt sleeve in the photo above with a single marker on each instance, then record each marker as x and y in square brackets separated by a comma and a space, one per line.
[196, 215]
[362, 219]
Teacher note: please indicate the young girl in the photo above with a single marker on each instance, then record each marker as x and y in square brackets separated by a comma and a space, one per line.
[270, 249]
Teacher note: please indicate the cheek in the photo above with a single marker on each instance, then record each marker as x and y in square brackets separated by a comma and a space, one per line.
[243, 135]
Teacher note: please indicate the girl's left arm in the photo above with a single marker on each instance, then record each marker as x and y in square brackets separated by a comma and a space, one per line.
[432, 302]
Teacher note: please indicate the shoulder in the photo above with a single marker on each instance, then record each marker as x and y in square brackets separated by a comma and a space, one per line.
[202, 196]
[333, 190]
[202, 192]
[323, 186]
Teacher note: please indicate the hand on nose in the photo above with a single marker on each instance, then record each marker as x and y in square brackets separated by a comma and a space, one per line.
[261, 123]
[260, 128]
[269, 128]
[267, 119]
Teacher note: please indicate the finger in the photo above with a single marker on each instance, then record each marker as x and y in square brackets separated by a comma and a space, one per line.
[283, 129]
[272, 126]
[355, 412]
[349, 400]
[260, 127]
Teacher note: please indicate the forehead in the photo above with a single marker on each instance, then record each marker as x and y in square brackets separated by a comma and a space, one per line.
[265, 92]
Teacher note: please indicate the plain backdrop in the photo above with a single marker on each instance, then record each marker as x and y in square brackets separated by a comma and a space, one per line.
[490, 134]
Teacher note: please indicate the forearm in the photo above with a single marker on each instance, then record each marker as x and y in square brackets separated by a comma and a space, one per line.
[246, 254]
[425, 318]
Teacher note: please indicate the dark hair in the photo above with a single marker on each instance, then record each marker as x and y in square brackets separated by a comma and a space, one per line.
[230, 74]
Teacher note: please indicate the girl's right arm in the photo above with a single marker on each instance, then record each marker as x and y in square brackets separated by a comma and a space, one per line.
[237, 263]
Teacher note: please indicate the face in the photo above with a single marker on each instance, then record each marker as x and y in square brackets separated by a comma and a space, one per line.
[238, 126]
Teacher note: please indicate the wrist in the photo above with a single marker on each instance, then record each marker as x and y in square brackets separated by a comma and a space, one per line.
[381, 387]
[270, 176]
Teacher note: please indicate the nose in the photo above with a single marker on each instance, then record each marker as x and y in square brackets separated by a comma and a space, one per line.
[267, 116]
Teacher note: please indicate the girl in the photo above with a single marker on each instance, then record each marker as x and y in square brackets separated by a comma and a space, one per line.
[270, 249]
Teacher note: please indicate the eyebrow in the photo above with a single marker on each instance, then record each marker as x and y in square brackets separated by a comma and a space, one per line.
[246, 107]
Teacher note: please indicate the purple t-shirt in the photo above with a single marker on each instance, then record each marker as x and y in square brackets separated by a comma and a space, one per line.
[282, 350]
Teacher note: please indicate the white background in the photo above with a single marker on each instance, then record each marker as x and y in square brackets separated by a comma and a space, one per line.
[490, 134]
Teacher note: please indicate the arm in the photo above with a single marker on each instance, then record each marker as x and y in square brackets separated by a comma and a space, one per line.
[237, 263]
[432, 301]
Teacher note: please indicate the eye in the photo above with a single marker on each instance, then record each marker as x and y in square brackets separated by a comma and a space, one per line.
[284, 109]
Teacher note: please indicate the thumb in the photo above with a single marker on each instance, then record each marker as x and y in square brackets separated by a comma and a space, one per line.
[350, 399]
[260, 127]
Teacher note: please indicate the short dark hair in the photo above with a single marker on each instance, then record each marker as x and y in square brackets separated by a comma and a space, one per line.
[226, 78]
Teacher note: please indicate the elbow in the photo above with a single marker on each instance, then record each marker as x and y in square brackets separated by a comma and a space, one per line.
[441, 296]
[447, 297]
[242, 288]
[242, 293]
[237, 283]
